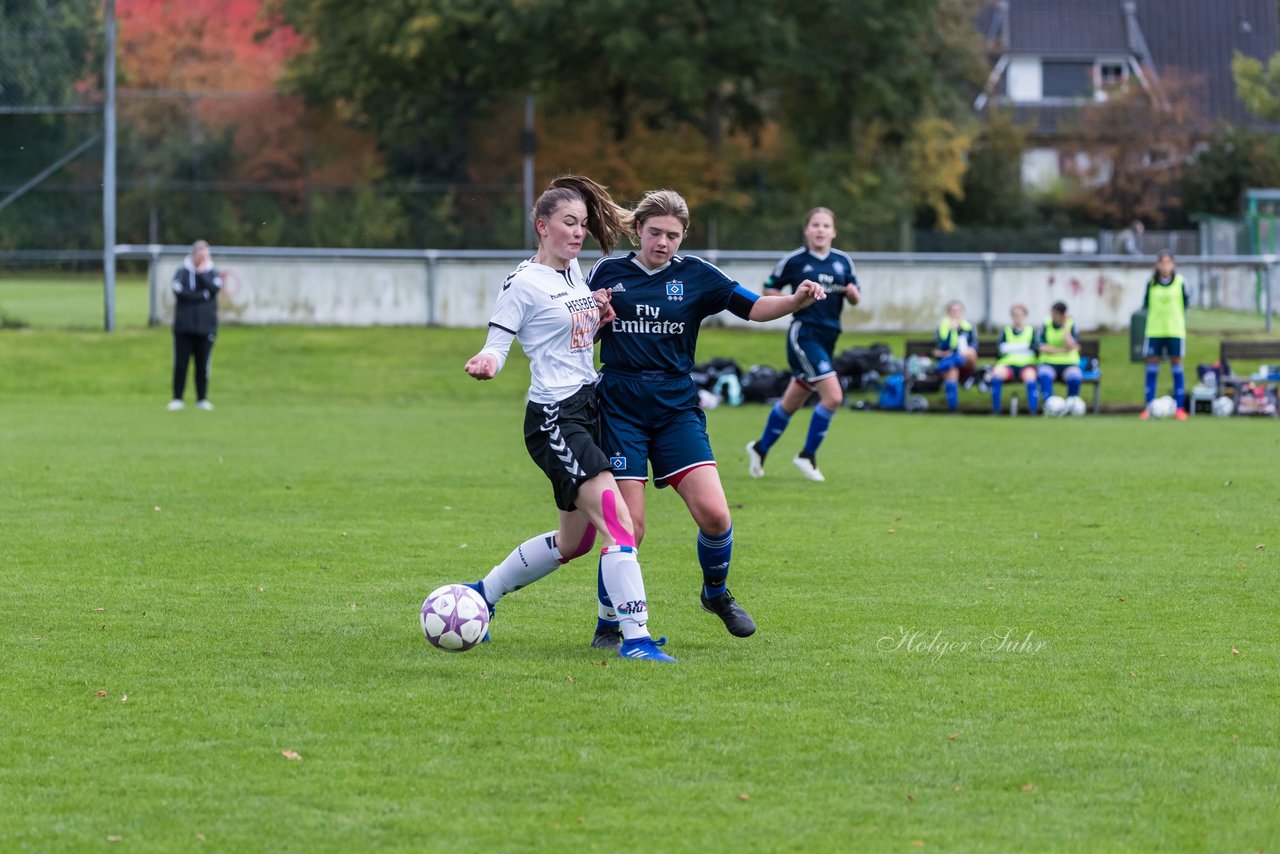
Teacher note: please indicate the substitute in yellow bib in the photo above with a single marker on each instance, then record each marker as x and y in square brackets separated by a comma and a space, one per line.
[1166, 303]
[1059, 348]
[956, 349]
[1017, 358]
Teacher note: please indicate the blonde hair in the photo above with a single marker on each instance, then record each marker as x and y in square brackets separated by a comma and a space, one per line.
[813, 211]
[606, 219]
[661, 203]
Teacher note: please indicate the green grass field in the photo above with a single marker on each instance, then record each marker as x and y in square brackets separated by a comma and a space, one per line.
[979, 634]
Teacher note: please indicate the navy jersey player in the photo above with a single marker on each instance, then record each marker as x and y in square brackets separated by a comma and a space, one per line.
[545, 304]
[811, 341]
[649, 402]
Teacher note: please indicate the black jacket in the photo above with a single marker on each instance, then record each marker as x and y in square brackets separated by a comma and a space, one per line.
[196, 312]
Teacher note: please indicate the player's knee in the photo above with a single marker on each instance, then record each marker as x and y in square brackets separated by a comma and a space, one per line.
[714, 522]
[583, 546]
[1046, 374]
[1028, 375]
[1072, 374]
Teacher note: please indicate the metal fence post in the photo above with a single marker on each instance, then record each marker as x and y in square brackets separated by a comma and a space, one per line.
[153, 303]
[433, 263]
[988, 278]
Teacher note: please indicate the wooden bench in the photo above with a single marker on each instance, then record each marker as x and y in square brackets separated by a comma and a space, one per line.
[989, 351]
[1231, 352]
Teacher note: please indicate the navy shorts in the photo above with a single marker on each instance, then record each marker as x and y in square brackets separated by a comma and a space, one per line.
[809, 351]
[564, 440]
[1164, 347]
[652, 419]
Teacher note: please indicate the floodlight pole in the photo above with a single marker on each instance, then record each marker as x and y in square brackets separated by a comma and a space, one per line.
[109, 170]
[529, 146]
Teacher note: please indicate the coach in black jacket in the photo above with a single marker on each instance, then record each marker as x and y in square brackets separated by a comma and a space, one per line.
[195, 322]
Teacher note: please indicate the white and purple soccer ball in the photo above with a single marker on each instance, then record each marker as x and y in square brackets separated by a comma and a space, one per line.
[455, 618]
[1076, 406]
[1224, 407]
[1055, 406]
[1162, 407]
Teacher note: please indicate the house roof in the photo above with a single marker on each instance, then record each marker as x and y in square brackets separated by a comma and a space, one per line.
[1193, 40]
[1197, 38]
[1077, 28]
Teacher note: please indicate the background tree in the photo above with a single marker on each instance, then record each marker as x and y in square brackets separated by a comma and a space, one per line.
[1130, 151]
[1235, 159]
[1258, 85]
[993, 193]
[46, 50]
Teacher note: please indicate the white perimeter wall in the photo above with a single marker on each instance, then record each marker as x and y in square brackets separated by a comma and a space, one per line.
[460, 292]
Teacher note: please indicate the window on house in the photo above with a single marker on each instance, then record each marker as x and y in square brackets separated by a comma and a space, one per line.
[1068, 79]
[1111, 75]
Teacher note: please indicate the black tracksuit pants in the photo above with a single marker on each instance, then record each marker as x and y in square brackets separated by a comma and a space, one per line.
[188, 346]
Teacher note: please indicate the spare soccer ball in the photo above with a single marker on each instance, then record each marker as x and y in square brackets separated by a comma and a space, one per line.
[1162, 407]
[1224, 406]
[455, 618]
[1055, 406]
[1076, 406]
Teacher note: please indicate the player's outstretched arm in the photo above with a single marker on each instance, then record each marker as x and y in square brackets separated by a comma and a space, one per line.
[771, 308]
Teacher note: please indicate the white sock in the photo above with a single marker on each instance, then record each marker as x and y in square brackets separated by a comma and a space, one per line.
[625, 586]
[530, 561]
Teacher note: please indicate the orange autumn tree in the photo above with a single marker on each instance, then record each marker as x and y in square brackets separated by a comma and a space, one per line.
[207, 136]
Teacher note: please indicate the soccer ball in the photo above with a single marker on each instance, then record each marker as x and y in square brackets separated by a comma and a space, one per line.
[455, 618]
[1076, 406]
[1224, 406]
[1055, 406]
[1162, 407]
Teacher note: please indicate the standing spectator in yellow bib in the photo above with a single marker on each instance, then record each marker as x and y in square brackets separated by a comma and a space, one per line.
[1017, 359]
[1166, 303]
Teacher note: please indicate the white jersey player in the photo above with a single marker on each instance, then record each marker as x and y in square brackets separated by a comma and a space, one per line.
[546, 306]
[555, 317]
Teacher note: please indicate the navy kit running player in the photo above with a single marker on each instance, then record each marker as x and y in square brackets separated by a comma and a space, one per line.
[811, 340]
[649, 402]
[546, 305]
